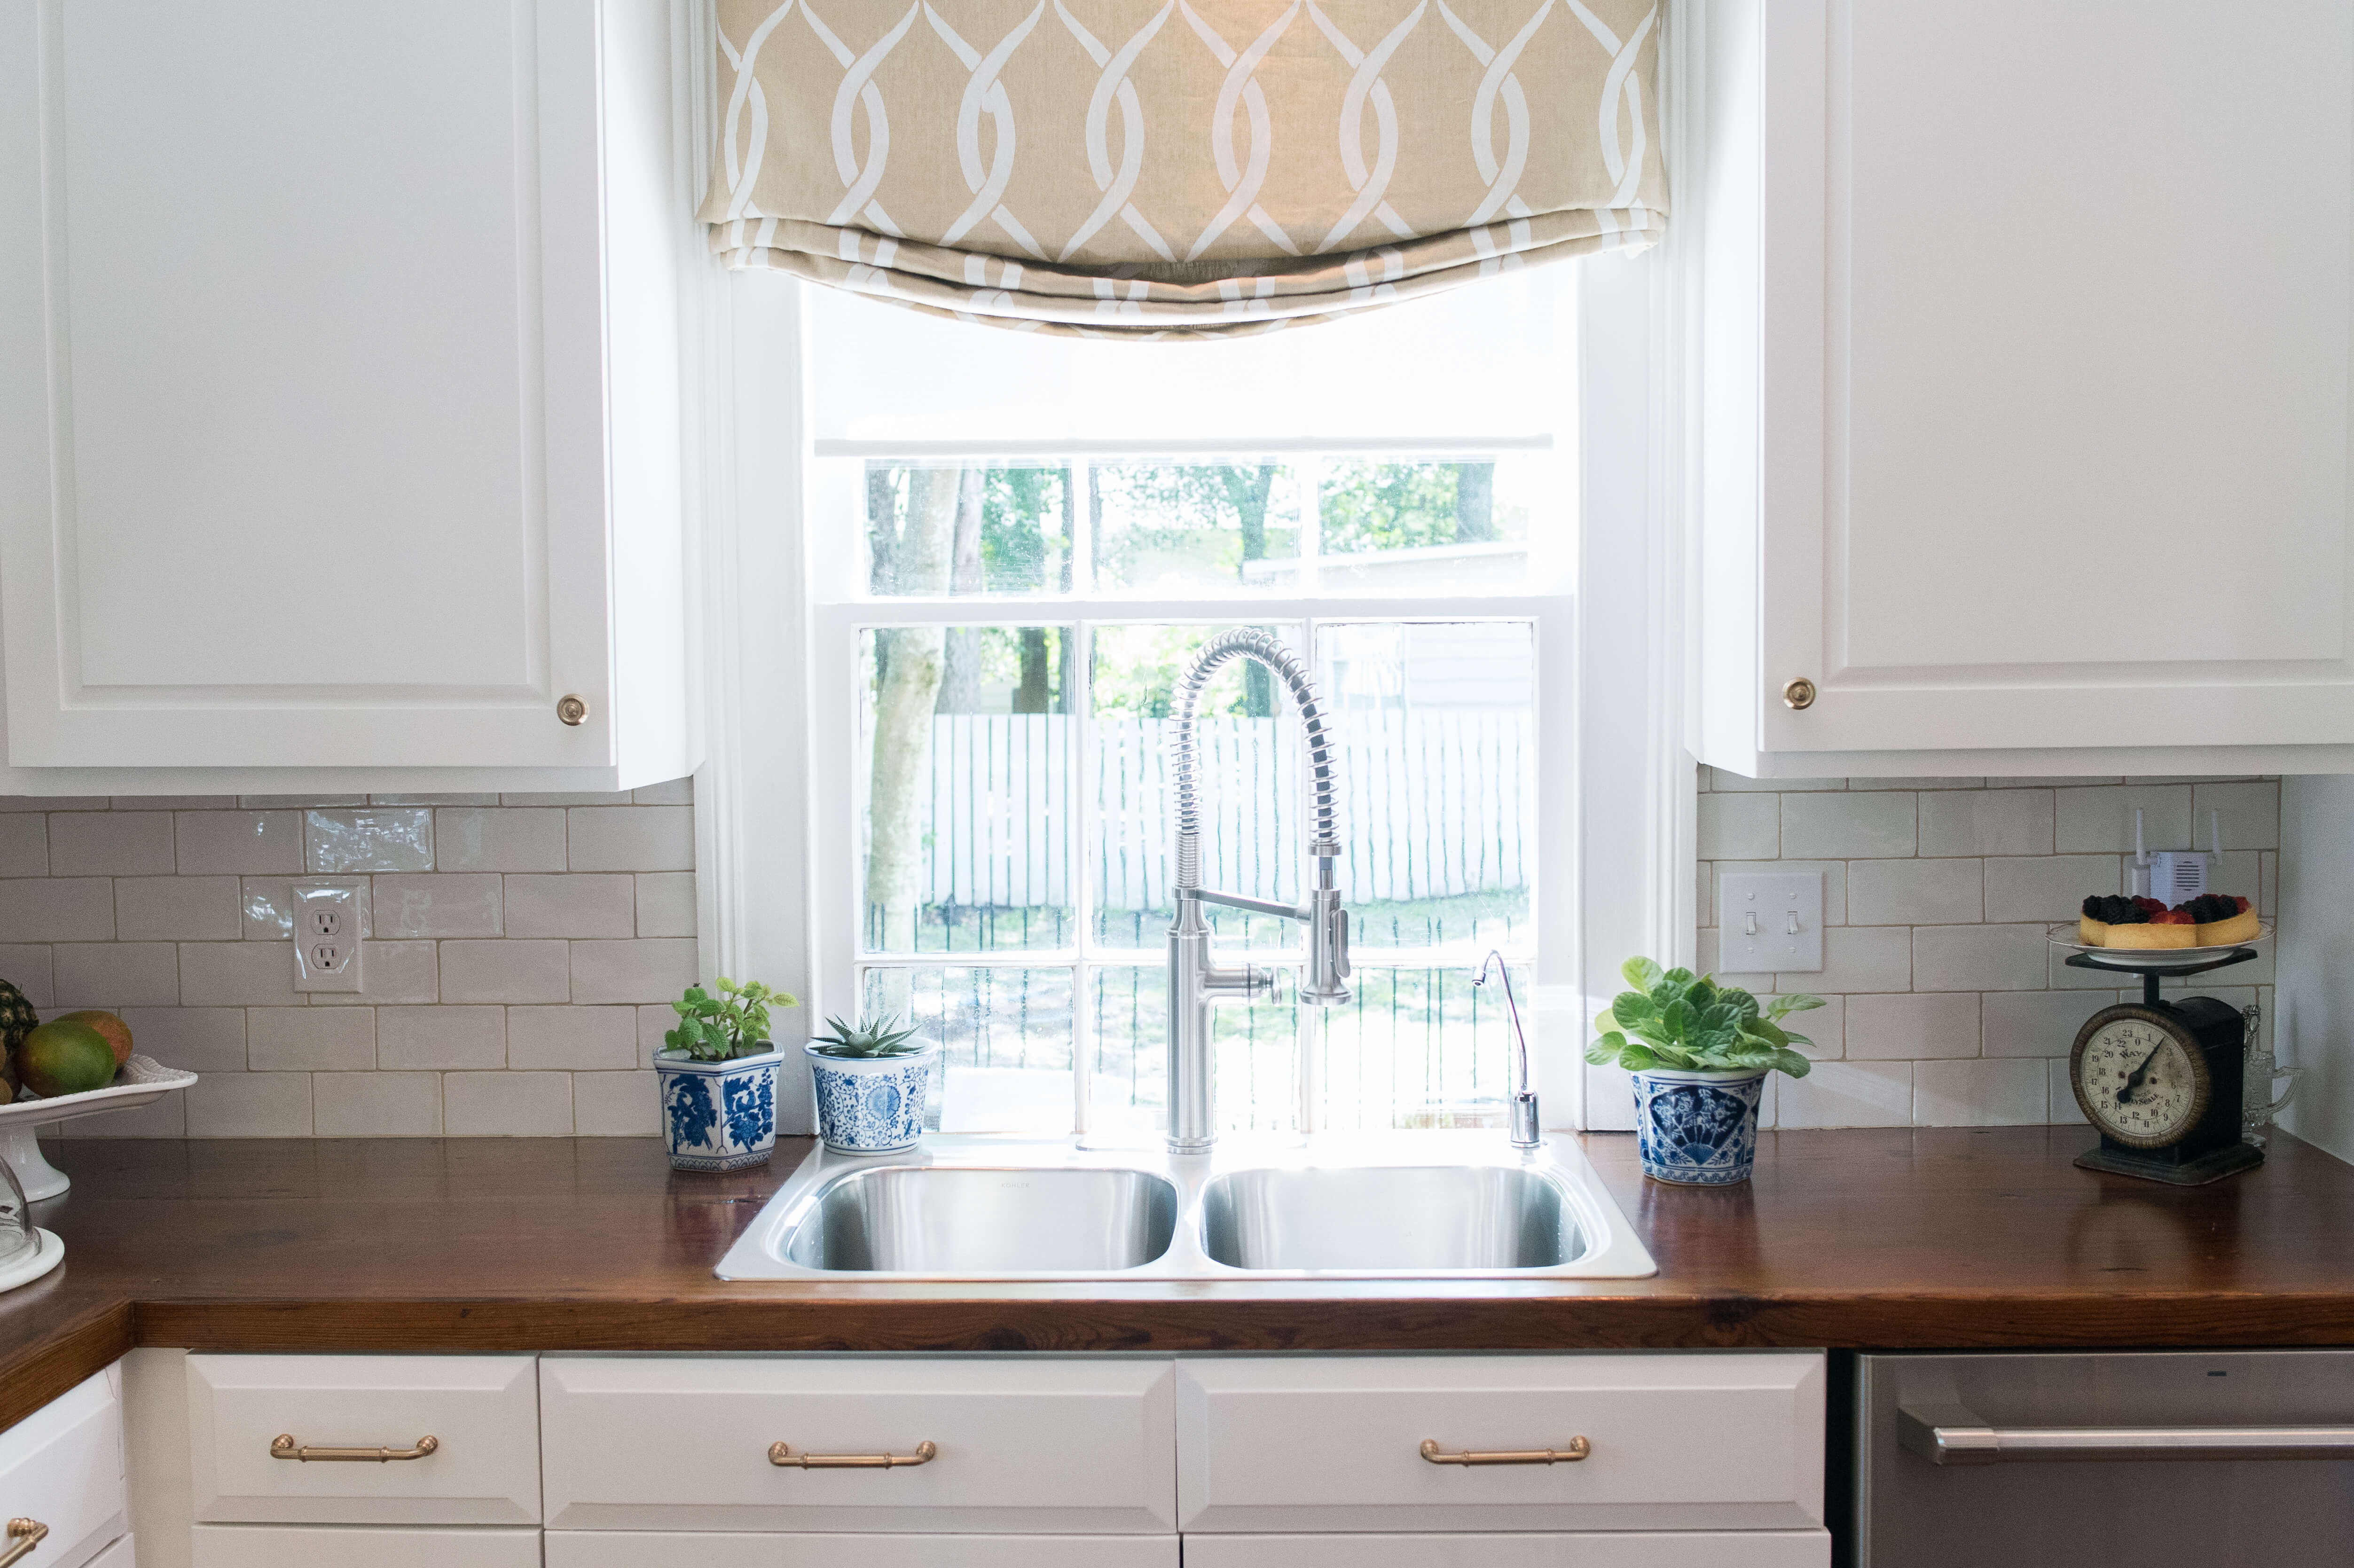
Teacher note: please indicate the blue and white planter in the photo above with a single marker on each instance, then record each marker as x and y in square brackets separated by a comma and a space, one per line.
[871, 1105]
[718, 1116]
[1698, 1128]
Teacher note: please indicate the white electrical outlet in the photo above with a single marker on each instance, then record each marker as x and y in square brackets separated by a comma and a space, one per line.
[326, 936]
[1769, 922]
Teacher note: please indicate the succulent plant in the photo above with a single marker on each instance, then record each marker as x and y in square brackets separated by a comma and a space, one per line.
[869, 1040]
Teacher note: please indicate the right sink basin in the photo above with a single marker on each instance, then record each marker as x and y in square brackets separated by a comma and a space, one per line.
[1383, 1218]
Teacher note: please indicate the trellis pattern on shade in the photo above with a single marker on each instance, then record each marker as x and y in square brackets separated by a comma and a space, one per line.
[1186, 168]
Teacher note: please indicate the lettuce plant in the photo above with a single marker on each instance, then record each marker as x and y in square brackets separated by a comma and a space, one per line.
[1675, 1018]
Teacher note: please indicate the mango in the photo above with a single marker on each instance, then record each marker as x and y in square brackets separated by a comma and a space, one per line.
[65, 1058]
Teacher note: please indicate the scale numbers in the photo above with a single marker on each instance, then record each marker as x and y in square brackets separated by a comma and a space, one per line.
[2138, 1083]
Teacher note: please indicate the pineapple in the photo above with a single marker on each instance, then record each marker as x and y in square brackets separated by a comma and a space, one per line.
[17, 1020]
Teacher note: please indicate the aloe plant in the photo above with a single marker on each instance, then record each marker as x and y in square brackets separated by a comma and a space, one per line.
[721, 1028]
[869, 1040]
[1673, 1018]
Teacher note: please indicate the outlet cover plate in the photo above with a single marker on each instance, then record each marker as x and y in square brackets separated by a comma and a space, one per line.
[1769, 922]
[326, 936]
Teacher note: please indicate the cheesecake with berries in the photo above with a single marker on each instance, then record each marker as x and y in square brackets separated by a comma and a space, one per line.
[2211, 920]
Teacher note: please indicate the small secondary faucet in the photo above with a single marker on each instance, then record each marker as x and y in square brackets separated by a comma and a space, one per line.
[1527, 1131]
[1194, 981]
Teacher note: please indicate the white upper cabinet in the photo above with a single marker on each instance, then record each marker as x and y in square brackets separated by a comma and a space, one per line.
[340, 386]
[2024, 386]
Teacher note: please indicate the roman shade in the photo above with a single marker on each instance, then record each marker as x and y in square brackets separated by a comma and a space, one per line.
[1179, 167]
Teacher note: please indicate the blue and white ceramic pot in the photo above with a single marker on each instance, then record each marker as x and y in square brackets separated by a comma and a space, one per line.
[871, 1105]
[1699, 1129]
[718, 1116]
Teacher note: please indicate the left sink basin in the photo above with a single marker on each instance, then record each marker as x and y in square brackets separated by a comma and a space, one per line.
[978, 1220]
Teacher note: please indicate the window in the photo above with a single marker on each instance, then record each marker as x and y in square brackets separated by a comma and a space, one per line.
[1015, 544]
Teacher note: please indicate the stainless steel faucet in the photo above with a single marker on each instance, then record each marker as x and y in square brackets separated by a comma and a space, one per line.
[1528, 1132]
[1195, 981]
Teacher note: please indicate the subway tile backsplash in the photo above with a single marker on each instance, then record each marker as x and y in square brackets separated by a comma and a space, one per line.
[1947, 1006]
[521, 952]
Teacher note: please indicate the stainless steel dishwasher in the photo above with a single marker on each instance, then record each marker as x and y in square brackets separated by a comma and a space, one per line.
[2082, 1461]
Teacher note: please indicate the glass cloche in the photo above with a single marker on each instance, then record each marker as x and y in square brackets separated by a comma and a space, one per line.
[22, 1243]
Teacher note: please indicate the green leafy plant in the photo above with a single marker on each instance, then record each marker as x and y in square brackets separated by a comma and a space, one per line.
[1673, 1018]
[720, 1028]
[869, 1040]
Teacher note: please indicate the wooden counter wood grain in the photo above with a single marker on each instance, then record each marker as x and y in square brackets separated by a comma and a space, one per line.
[1945, 1238]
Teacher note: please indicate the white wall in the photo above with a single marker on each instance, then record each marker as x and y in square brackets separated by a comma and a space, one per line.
[2316, 988]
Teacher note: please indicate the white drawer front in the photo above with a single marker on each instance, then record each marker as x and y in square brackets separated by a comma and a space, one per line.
[1628, 1549]
[685, 1549]
[1723, 1441]
[361, 1546]
[62, 1465]
[481, 1411]
[1022, 1446]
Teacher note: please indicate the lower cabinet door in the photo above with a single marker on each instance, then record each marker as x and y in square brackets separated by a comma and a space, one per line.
[361, 1546]
[61, 1466]
[1631, 1548]
[119, 1556]
[661, 1548]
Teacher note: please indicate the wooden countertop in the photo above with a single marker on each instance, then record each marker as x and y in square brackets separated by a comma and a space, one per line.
[1944, 1238]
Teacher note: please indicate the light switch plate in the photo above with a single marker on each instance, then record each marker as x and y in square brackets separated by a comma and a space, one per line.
[326, 936]
[1769, 922]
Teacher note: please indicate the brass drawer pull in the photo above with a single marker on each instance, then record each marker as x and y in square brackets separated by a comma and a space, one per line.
[782, 1453]
[24, 1534]
[283, 1446]
[1578, 1449]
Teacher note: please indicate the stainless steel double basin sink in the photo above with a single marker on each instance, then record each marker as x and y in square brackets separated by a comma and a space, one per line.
[1406, 1205]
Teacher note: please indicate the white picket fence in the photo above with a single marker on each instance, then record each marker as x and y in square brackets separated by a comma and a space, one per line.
[1433, 804]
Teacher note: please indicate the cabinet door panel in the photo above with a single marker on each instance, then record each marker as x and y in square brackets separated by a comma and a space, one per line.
[302, 419]
[1678, 1442]
[1630, 1549]
[681, 1549]
[62, 1465]
[2057, 351]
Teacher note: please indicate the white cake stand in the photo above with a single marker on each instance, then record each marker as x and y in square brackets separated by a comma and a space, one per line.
[142, 1081]
[43, 1258]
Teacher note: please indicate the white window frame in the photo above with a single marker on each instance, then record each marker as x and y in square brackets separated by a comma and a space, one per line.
[1616, 783]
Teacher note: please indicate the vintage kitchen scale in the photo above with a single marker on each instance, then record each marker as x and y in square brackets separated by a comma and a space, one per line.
[2163, 1080]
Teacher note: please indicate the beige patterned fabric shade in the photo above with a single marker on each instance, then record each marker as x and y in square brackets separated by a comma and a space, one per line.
[1179, 167]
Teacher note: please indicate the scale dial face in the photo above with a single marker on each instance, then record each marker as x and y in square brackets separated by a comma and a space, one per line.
[2140, 1077]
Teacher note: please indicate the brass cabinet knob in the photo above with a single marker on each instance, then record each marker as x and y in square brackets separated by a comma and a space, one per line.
[1797, 694]
[573, 709]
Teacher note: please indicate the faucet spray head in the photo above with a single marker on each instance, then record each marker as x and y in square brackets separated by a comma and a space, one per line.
[1528, 1129]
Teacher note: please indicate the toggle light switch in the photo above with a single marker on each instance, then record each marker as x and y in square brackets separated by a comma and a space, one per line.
[1770, 922]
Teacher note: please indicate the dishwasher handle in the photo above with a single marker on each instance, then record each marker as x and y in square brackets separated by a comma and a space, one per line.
[1951, 1434]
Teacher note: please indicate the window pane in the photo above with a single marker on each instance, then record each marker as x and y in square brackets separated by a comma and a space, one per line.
[1418, 1048]
[1431, 527]
[1249, 779]
[969, 528]
[1437, 725]
[966, 767]
[1175, 528]
[1256, 1047]
[1006, 1044]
